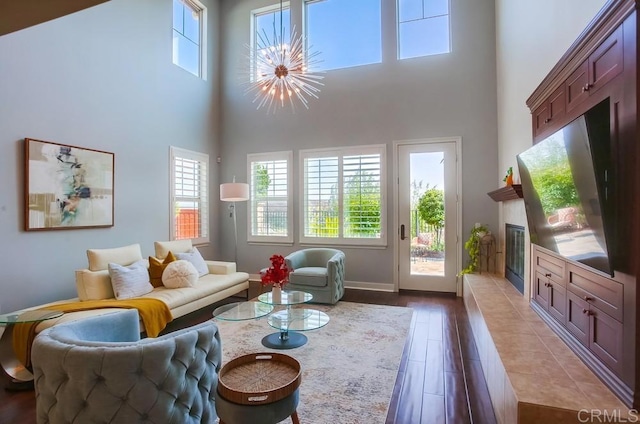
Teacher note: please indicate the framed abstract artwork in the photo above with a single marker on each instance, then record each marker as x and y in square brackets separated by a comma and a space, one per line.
[67, 187]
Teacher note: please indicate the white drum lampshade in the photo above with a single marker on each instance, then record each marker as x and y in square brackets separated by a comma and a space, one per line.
[234, 192]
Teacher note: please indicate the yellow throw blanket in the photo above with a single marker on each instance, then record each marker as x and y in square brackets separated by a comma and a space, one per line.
[155, 315]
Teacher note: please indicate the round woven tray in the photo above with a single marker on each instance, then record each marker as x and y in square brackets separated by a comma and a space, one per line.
[259, 378]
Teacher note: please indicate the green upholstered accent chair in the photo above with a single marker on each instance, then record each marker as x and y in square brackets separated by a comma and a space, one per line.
[319, 271]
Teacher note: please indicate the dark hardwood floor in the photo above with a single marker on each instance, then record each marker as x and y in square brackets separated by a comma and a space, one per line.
[440, 378]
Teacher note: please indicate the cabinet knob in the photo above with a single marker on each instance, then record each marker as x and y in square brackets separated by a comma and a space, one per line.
[588, 298]
[548, 275]
[587, 87]
[585, 311]
[546, 121]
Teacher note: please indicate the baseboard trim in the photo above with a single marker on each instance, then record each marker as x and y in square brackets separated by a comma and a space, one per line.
[362, 285]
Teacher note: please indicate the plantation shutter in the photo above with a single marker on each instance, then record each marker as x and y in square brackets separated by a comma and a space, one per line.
[189, 196]
[362, 196]
[269, 176]
[269, 193]
[343, 196]
[321, 177]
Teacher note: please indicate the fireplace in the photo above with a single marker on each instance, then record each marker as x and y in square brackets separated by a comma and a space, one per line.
[514, 256]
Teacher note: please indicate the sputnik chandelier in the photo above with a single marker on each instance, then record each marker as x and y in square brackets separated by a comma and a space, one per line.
[280, 71]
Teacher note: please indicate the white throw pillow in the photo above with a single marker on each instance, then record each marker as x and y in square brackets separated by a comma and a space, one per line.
[130, 281]
[196, 260]
[180, 273]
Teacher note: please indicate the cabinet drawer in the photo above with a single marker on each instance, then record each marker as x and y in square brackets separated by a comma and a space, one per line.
[601, 292]
[550, 266]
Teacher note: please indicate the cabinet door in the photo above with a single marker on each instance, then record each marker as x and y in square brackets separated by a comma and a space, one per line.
[605, 338]
[606, 61]
[557, 301]
[576, 86]
[557, 105]
[541, 291]
[540, 118]
[577, 318]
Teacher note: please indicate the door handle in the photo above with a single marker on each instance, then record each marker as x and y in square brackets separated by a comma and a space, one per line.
[402, 236]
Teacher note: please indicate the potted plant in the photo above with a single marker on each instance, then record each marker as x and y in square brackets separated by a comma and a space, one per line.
[472, 246]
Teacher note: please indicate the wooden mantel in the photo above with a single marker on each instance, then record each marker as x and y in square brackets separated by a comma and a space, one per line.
[510, 192]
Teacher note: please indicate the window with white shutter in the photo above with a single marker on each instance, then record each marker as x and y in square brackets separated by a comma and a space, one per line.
[343, 196]
[189, 195]
[269, 214]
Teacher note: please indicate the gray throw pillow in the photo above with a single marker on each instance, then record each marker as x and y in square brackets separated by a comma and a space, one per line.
[130, 281]
[196, 260]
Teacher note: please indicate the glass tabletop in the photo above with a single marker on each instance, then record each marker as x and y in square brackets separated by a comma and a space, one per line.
[298, 320]
[240, 311]
[292, 297]
[28, 316]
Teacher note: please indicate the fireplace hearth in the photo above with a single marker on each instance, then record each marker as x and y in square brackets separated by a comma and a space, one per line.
[514, 256]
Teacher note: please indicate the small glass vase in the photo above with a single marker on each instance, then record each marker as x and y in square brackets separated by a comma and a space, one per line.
[276, 294]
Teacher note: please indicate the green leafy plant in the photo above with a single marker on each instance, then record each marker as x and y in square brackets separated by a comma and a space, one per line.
[472, 246]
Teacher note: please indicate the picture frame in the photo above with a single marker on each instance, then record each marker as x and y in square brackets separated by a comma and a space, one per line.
[67, 187]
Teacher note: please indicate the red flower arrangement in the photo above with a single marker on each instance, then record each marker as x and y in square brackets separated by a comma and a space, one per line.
[277, 274]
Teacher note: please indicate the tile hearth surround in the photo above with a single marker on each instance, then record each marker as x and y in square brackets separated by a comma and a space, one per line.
[532, 376]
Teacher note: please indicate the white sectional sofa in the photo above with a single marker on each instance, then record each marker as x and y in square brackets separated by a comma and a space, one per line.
[94, 283]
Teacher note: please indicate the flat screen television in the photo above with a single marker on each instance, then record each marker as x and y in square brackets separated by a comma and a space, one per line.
[567, 189]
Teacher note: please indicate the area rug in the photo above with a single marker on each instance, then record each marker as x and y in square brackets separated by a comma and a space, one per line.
[349, 366]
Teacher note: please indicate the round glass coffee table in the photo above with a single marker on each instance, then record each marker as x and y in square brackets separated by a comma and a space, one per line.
[240, 311]
[19, 377]
[291, 320]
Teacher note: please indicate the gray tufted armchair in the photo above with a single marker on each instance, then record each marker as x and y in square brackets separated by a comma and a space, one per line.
[97, 370]
[319, 271]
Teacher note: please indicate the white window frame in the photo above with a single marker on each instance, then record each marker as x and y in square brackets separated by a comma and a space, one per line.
[253, 44]
[201, 10]
[341, 152]
[266, 157]
[423, 18]
[177, 153]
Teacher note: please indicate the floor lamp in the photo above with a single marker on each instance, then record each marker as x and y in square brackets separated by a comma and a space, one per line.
[234, 192]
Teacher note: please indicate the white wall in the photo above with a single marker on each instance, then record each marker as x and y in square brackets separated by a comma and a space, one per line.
[437, 96]
[101, 78]
[530, 39]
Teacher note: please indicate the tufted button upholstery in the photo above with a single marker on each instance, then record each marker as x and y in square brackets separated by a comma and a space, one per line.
[319, 271]
[169, 379]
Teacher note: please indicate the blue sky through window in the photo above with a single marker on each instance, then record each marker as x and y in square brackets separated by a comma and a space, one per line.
[346, 32]
[186, 37]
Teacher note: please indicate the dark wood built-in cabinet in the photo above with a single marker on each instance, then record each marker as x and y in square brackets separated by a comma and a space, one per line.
[549, 285]
[595, 313]
[550, 112]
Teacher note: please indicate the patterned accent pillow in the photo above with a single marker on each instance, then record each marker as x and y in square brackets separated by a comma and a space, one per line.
[196, 260]
[130, 281]
[180, 274]
[157, 267]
